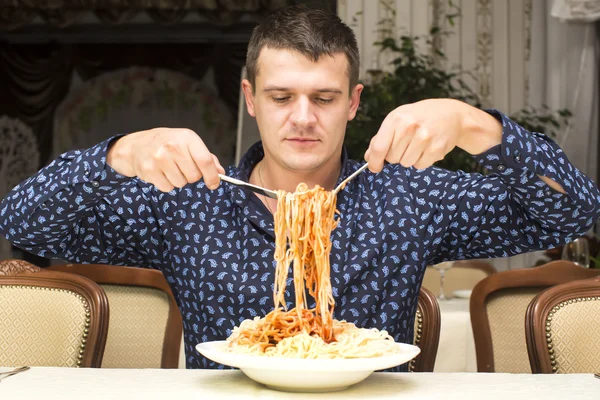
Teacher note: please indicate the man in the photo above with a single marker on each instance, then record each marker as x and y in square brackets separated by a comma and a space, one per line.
[153, 198]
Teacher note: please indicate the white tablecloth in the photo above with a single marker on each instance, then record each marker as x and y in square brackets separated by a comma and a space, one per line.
[90, 384]
[456, 351]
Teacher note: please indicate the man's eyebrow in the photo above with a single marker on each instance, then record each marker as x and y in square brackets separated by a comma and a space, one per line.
[329, 90]
[284, 89]
[276, 89]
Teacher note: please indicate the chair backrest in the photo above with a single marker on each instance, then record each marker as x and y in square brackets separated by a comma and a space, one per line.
[463, 275]
[145, 328]
[498, 305]
[50, 318]
[563, 328]
[427, 332]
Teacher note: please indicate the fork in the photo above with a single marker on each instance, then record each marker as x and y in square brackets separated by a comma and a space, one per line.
[256, 189]
[4, 375]
[348, 179]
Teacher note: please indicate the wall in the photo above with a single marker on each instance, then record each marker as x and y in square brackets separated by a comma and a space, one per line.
[490, 39]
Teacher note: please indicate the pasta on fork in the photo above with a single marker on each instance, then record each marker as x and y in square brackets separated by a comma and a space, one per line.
[304, 221]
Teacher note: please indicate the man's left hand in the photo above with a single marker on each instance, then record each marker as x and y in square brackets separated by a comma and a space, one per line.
[419, 134]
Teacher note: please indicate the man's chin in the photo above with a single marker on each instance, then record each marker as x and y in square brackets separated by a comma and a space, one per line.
[302, 163]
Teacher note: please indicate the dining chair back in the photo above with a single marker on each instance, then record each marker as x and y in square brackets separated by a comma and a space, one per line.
[498, 305]
[50, 318]
[427, 332]
[562, 328]
[145, 328]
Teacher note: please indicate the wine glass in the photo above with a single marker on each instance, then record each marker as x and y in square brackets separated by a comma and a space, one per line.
[578, 252]
[442, 268]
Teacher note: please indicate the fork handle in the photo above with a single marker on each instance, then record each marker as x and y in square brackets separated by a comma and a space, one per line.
[5, 375]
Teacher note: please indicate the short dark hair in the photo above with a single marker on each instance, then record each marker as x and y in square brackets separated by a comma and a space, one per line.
[310, 31]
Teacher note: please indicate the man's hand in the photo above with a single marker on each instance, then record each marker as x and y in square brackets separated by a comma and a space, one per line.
[167, 158]
[422, 133]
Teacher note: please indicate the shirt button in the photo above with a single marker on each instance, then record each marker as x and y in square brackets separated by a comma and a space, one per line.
[500, 167]
[548, 192]
[517, 156]
[95, 184]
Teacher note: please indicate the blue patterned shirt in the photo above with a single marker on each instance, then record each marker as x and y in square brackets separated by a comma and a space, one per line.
[215, 248]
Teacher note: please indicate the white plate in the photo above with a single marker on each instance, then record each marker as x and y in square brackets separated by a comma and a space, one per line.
[306, 375]
[462, 294]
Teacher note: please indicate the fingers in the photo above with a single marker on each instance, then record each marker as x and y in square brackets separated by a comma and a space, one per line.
[188, 167]
[206, 163]
[218, 164]
[426, 161]
[172, 172]
[402, 140]
[391, 142]
[380, 145]
[417, 146]
[172, 158]
[161, 182]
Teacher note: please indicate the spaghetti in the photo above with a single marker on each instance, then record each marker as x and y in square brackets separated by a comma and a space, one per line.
[304, 221]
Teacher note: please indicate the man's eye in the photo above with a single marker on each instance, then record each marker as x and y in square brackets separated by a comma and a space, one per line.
[323, 101]
[280, 99]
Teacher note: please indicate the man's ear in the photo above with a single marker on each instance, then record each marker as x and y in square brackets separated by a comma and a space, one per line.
[247, 88]
[354, 101]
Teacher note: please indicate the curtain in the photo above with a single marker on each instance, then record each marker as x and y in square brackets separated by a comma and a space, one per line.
[564, 74]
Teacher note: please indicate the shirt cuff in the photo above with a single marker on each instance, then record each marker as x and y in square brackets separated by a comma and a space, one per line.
[89, 167]
[516, 152]
[521, 157]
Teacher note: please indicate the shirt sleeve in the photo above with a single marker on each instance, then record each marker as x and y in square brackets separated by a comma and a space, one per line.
[79, 209]
[511, 210]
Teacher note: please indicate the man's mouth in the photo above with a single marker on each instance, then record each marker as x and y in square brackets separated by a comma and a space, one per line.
[302, 139]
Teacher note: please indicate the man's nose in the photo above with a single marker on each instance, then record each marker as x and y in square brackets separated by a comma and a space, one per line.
[303, 113]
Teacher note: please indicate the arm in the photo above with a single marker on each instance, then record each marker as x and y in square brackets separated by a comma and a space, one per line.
[78, 209]
[481, 131]
[103, 205]
[533, 199]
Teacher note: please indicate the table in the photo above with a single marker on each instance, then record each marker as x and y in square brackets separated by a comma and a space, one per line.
[456, 351]
[94, 383]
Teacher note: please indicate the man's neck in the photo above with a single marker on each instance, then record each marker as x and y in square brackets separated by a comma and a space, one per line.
[275, 178]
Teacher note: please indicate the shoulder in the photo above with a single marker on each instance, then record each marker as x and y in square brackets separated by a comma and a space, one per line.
[395, 177]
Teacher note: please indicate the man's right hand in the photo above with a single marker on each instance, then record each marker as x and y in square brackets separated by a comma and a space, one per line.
[166, 157]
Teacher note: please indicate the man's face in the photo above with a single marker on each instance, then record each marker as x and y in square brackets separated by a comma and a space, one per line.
[302, 107]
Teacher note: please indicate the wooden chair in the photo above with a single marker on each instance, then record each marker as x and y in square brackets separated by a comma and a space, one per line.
[145, 328]
[427, 332]
[562, 328]
[498, 305]
[50, 318]
[464, 275]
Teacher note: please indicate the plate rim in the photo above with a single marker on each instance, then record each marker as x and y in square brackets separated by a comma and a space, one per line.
[248, 361]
